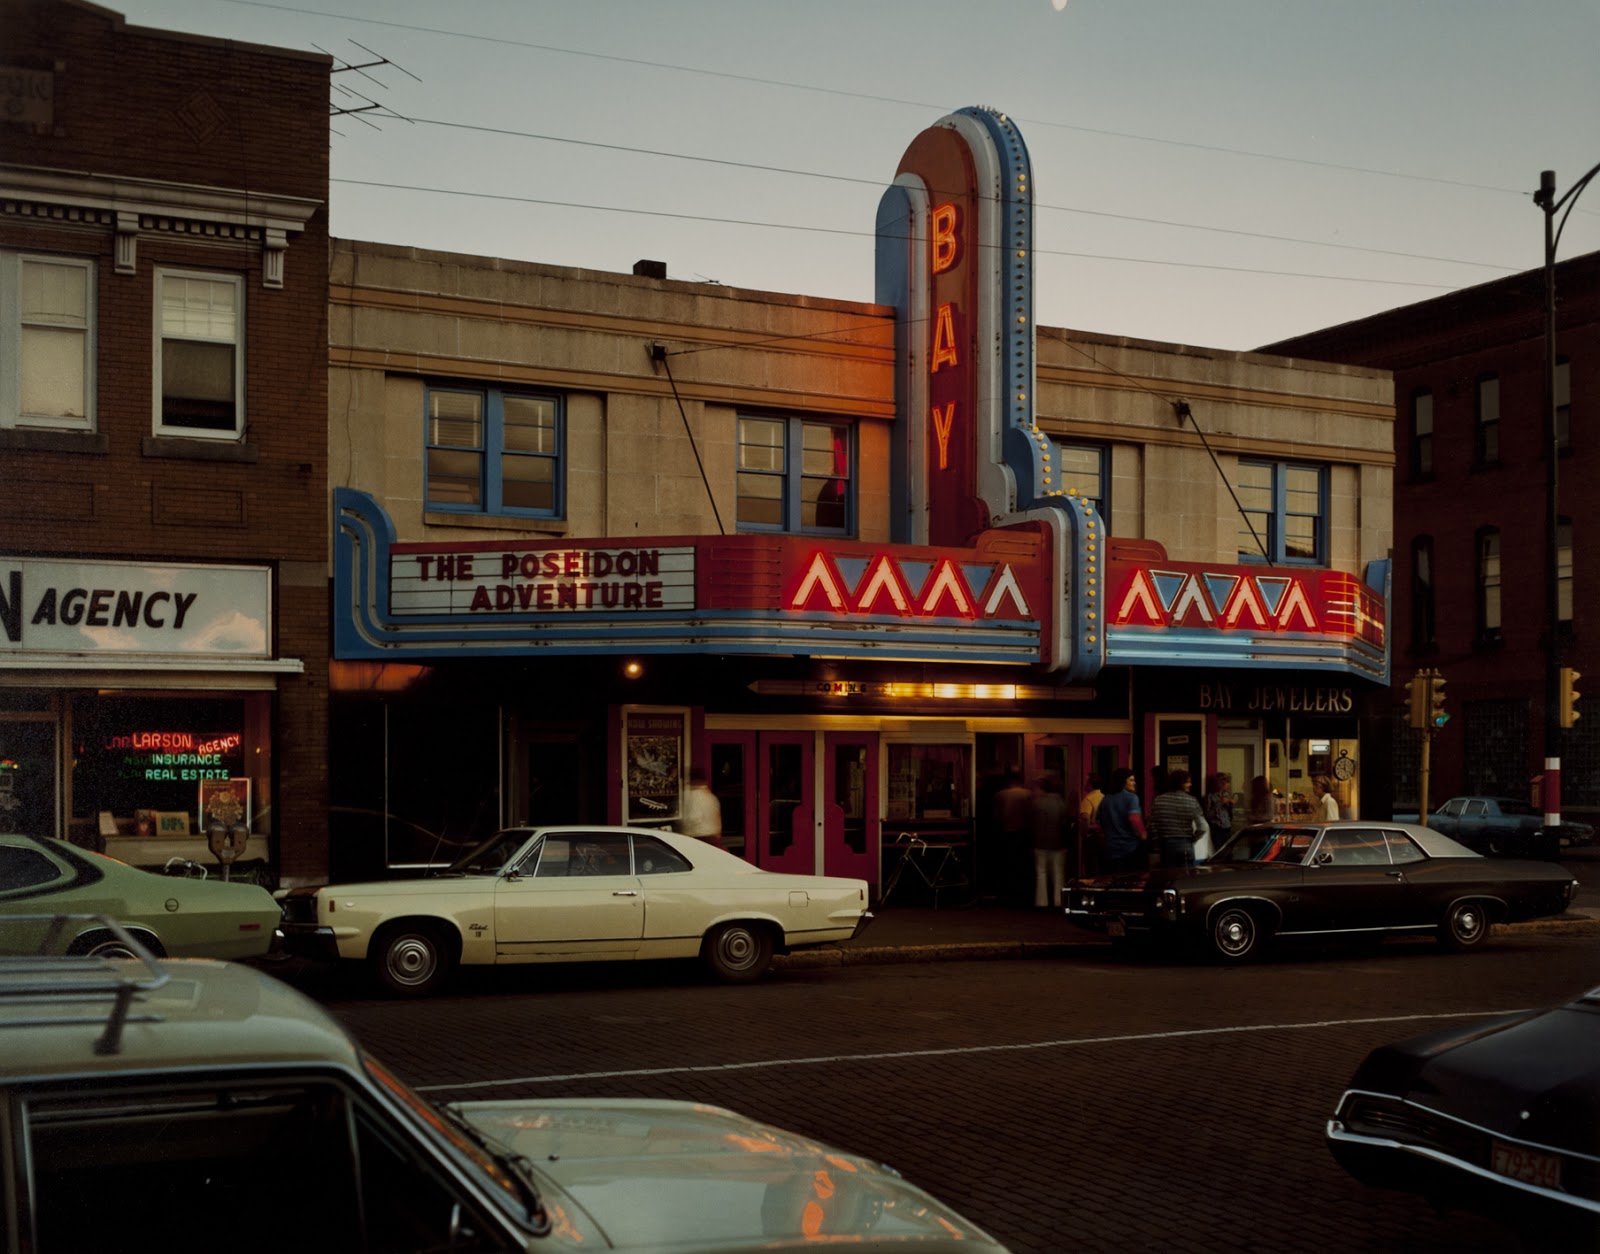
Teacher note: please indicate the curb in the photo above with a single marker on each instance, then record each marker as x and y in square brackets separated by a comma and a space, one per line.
[972, 951]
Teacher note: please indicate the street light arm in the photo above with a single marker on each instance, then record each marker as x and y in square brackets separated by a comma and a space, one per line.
[1545, 198]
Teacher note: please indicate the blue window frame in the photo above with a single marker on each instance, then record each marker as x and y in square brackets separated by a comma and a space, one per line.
[1285, 513]
[491, 451]
[796, 475]
[1084, 467]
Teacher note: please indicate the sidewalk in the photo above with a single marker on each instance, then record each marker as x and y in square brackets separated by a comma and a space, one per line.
[901, 934]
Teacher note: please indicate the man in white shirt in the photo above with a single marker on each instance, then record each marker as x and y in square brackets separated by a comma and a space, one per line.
[702, 812]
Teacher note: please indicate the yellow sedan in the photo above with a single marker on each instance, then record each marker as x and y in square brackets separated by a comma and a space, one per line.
[573, 894]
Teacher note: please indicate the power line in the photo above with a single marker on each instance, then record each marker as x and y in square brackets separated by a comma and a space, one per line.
[878, 183]
[757, 80]
[859, 234]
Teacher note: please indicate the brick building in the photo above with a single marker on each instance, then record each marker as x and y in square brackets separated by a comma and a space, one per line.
[163, 465]
[1470, 519]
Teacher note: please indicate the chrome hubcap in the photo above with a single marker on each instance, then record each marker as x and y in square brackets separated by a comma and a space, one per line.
[738, 948]
[411, 960]
[1234, 933]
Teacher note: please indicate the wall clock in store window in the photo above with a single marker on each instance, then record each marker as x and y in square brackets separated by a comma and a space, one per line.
[1345, 767]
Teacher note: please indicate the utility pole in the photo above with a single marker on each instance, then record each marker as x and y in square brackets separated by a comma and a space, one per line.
[1550, 792]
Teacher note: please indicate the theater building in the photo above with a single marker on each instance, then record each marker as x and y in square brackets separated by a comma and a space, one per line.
[857, 560]
[163, 544]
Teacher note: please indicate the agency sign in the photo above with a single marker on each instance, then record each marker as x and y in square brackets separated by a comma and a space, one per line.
[62, 607]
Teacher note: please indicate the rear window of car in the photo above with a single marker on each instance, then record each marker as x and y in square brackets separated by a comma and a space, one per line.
[656, 857]
[25, 868]
[1402, 848]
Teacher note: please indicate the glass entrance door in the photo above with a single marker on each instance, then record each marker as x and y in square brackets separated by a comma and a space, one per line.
[850, 805]
[787, 808]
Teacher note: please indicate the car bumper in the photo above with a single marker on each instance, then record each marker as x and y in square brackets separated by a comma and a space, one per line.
[1115, 914]
[306, 940]
[862, 923]
[1455, 1175]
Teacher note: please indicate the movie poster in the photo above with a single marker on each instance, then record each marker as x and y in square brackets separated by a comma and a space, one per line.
[654, 766]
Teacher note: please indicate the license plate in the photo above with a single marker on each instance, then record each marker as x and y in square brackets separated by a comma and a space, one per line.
[1116, 927]
[1529, 1166]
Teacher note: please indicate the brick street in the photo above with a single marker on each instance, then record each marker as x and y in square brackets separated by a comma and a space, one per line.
[1080, 1102]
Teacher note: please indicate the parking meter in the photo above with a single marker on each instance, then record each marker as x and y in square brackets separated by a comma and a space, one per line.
[226, 843]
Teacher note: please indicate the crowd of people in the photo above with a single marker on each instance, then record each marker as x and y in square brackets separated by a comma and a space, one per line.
[1045, 838]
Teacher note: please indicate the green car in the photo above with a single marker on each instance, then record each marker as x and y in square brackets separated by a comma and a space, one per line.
[172, 916]
[197, 1107]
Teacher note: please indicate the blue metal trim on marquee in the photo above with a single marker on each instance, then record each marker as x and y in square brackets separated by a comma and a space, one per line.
[363, 628]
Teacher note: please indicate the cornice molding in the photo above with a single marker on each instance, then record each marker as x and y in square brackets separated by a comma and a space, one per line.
[136, 207]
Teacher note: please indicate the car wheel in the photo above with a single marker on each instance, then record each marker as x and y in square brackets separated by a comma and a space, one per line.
[1235, 934]
[1466, 925]
[738, 953]
[103, 944]
[412, 960]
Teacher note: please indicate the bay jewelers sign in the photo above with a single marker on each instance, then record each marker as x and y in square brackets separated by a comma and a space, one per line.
[50, 606]
[474, 581]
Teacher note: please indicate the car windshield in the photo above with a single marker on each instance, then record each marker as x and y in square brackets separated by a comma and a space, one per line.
[1267, 844]
[490, 858]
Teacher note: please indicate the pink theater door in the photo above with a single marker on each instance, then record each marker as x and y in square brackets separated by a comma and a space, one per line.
[850, 805]
[786, 809]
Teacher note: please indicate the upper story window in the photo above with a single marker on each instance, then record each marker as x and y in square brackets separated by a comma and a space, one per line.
[1285, 513]
[199, 366]
[1488, 583]
[1422, 596]
[1422, 434]
[796, 474]
[47, 349]
[1563, 380]
[1084, 467]
[495, 452]
[1488, 420]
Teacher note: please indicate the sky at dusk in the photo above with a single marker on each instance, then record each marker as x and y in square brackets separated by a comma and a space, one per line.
[1222, 173]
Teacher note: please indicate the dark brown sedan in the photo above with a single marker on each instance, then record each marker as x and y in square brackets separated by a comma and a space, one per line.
[1323, 880]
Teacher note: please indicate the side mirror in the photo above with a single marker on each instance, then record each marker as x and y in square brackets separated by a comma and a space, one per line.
[1324, 858]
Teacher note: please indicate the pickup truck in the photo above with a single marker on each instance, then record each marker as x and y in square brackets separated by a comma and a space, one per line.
[1502, 827]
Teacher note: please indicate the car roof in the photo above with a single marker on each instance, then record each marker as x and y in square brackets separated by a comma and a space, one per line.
[1434, 844]
[184, 1015]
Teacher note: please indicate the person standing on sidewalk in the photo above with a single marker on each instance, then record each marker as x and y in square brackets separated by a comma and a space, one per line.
[1089, 827]
[1219, 808]
[702, 812]
[1122, 834]
[1052, 826]
[1176, 820]
[1014, 810]
[1327, 803]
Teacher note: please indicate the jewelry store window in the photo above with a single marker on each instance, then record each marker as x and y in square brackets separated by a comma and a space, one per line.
[156, 777]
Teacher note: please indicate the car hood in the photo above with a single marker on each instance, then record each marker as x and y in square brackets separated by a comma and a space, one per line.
[1535, 1077]
[663, 1175]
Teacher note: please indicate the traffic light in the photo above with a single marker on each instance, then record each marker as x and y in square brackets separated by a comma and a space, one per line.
[1416, 703]
[1570, 696]
[1437, 718]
